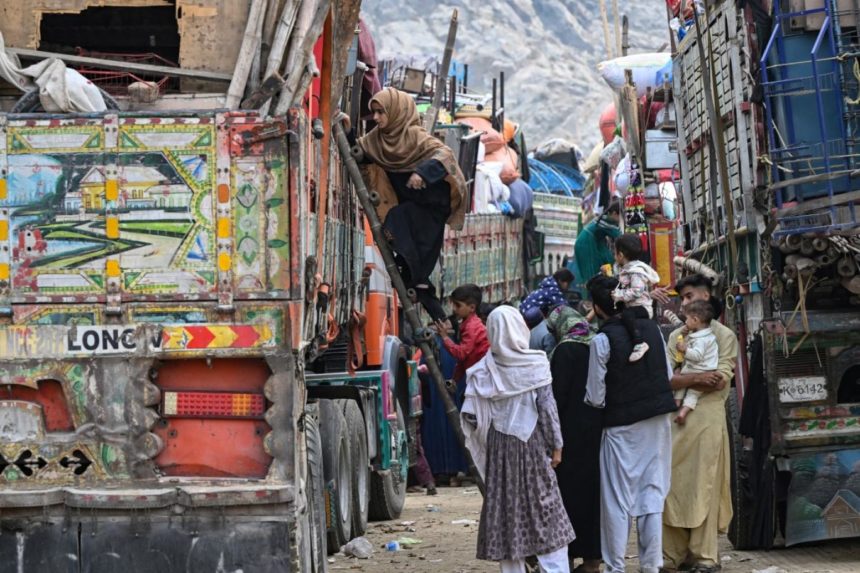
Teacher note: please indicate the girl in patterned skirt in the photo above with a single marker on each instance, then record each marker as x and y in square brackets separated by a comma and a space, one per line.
[512, 430]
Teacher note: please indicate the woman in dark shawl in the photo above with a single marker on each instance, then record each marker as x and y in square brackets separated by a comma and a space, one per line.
[421, 188]
[581, 428]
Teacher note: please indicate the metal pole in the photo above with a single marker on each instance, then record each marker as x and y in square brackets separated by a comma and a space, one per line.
[493, 110]
[433, 112]
[502, 102]
[409, 310]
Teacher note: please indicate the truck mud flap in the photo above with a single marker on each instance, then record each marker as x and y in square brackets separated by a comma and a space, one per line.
[199, 545]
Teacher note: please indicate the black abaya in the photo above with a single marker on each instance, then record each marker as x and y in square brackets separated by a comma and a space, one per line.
[417, 224]
[581, 428]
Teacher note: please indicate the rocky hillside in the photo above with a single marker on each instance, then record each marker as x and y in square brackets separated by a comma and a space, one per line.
[548, 50]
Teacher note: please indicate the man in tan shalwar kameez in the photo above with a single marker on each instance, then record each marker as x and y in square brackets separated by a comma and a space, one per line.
[699, 504]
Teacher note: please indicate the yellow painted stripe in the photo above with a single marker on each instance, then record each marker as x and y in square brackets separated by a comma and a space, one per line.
[4, 230]
[2, 188]
[111, 189]
[112, 228]
[663, 257]
[4, 271]
[223, 228]
[112, 268]
[224, 262]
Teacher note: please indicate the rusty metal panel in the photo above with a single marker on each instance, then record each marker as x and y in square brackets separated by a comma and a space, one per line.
[104, 372]
[210, 34]
[210, 31]
[20, 21]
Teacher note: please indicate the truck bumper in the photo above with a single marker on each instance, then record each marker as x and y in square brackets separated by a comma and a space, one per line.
[138, 544]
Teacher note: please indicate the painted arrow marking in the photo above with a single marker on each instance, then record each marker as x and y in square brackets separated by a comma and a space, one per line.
[201, 337]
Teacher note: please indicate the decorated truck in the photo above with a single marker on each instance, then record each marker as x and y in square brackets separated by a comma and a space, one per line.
[767, 128]
[199, 361]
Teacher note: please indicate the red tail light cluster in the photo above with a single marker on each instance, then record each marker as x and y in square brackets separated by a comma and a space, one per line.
[212, 418]
[213, 405]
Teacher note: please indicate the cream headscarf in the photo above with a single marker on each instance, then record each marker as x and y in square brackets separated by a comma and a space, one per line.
[404, 143]
[500, 388]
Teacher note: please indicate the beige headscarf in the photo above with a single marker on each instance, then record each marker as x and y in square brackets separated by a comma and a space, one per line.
[404, 143]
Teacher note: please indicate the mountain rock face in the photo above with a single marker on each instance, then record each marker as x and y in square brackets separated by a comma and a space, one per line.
[548, 49]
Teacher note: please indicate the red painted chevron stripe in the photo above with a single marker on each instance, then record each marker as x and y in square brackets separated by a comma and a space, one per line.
[201, 336]
[247, 336]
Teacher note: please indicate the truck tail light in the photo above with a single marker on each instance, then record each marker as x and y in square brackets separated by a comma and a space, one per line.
[212, 419]
[213, 405]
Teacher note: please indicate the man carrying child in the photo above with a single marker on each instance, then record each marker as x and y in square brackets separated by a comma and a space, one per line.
[699, 503]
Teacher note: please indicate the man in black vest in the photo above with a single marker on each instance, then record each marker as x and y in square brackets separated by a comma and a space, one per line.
[636, 451]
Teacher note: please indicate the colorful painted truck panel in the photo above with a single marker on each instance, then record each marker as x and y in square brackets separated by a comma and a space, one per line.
[138, 208]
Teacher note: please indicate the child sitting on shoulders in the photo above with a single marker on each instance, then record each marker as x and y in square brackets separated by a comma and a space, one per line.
[635, 281]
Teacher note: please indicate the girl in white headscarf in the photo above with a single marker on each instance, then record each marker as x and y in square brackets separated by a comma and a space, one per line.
[512, 429]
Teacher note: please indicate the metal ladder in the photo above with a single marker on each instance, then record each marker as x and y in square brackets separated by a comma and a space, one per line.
[423, 337]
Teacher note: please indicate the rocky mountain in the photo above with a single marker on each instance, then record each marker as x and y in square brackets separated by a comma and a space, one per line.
[548, 49]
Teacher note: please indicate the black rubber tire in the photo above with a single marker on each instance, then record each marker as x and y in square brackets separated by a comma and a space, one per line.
[316, 498]
[337, 459]
[740, 529]
[360, 469]
[388, 487]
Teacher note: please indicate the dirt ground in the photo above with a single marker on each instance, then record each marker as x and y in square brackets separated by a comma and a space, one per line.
[446, 528]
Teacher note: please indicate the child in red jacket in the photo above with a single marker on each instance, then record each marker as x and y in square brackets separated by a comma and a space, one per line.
[473, 335]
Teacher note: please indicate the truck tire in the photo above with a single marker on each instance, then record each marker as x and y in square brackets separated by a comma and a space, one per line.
[388, 487]
[316, 497]
[337, 459]
[740, 529]
[360, 467]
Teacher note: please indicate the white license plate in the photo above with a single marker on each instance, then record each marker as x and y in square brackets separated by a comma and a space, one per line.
[803, 389]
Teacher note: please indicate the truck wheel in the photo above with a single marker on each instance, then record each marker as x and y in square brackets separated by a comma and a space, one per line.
[360, 467]
[337, 459]
[388, 487]
[316, 497]
[740, 528]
